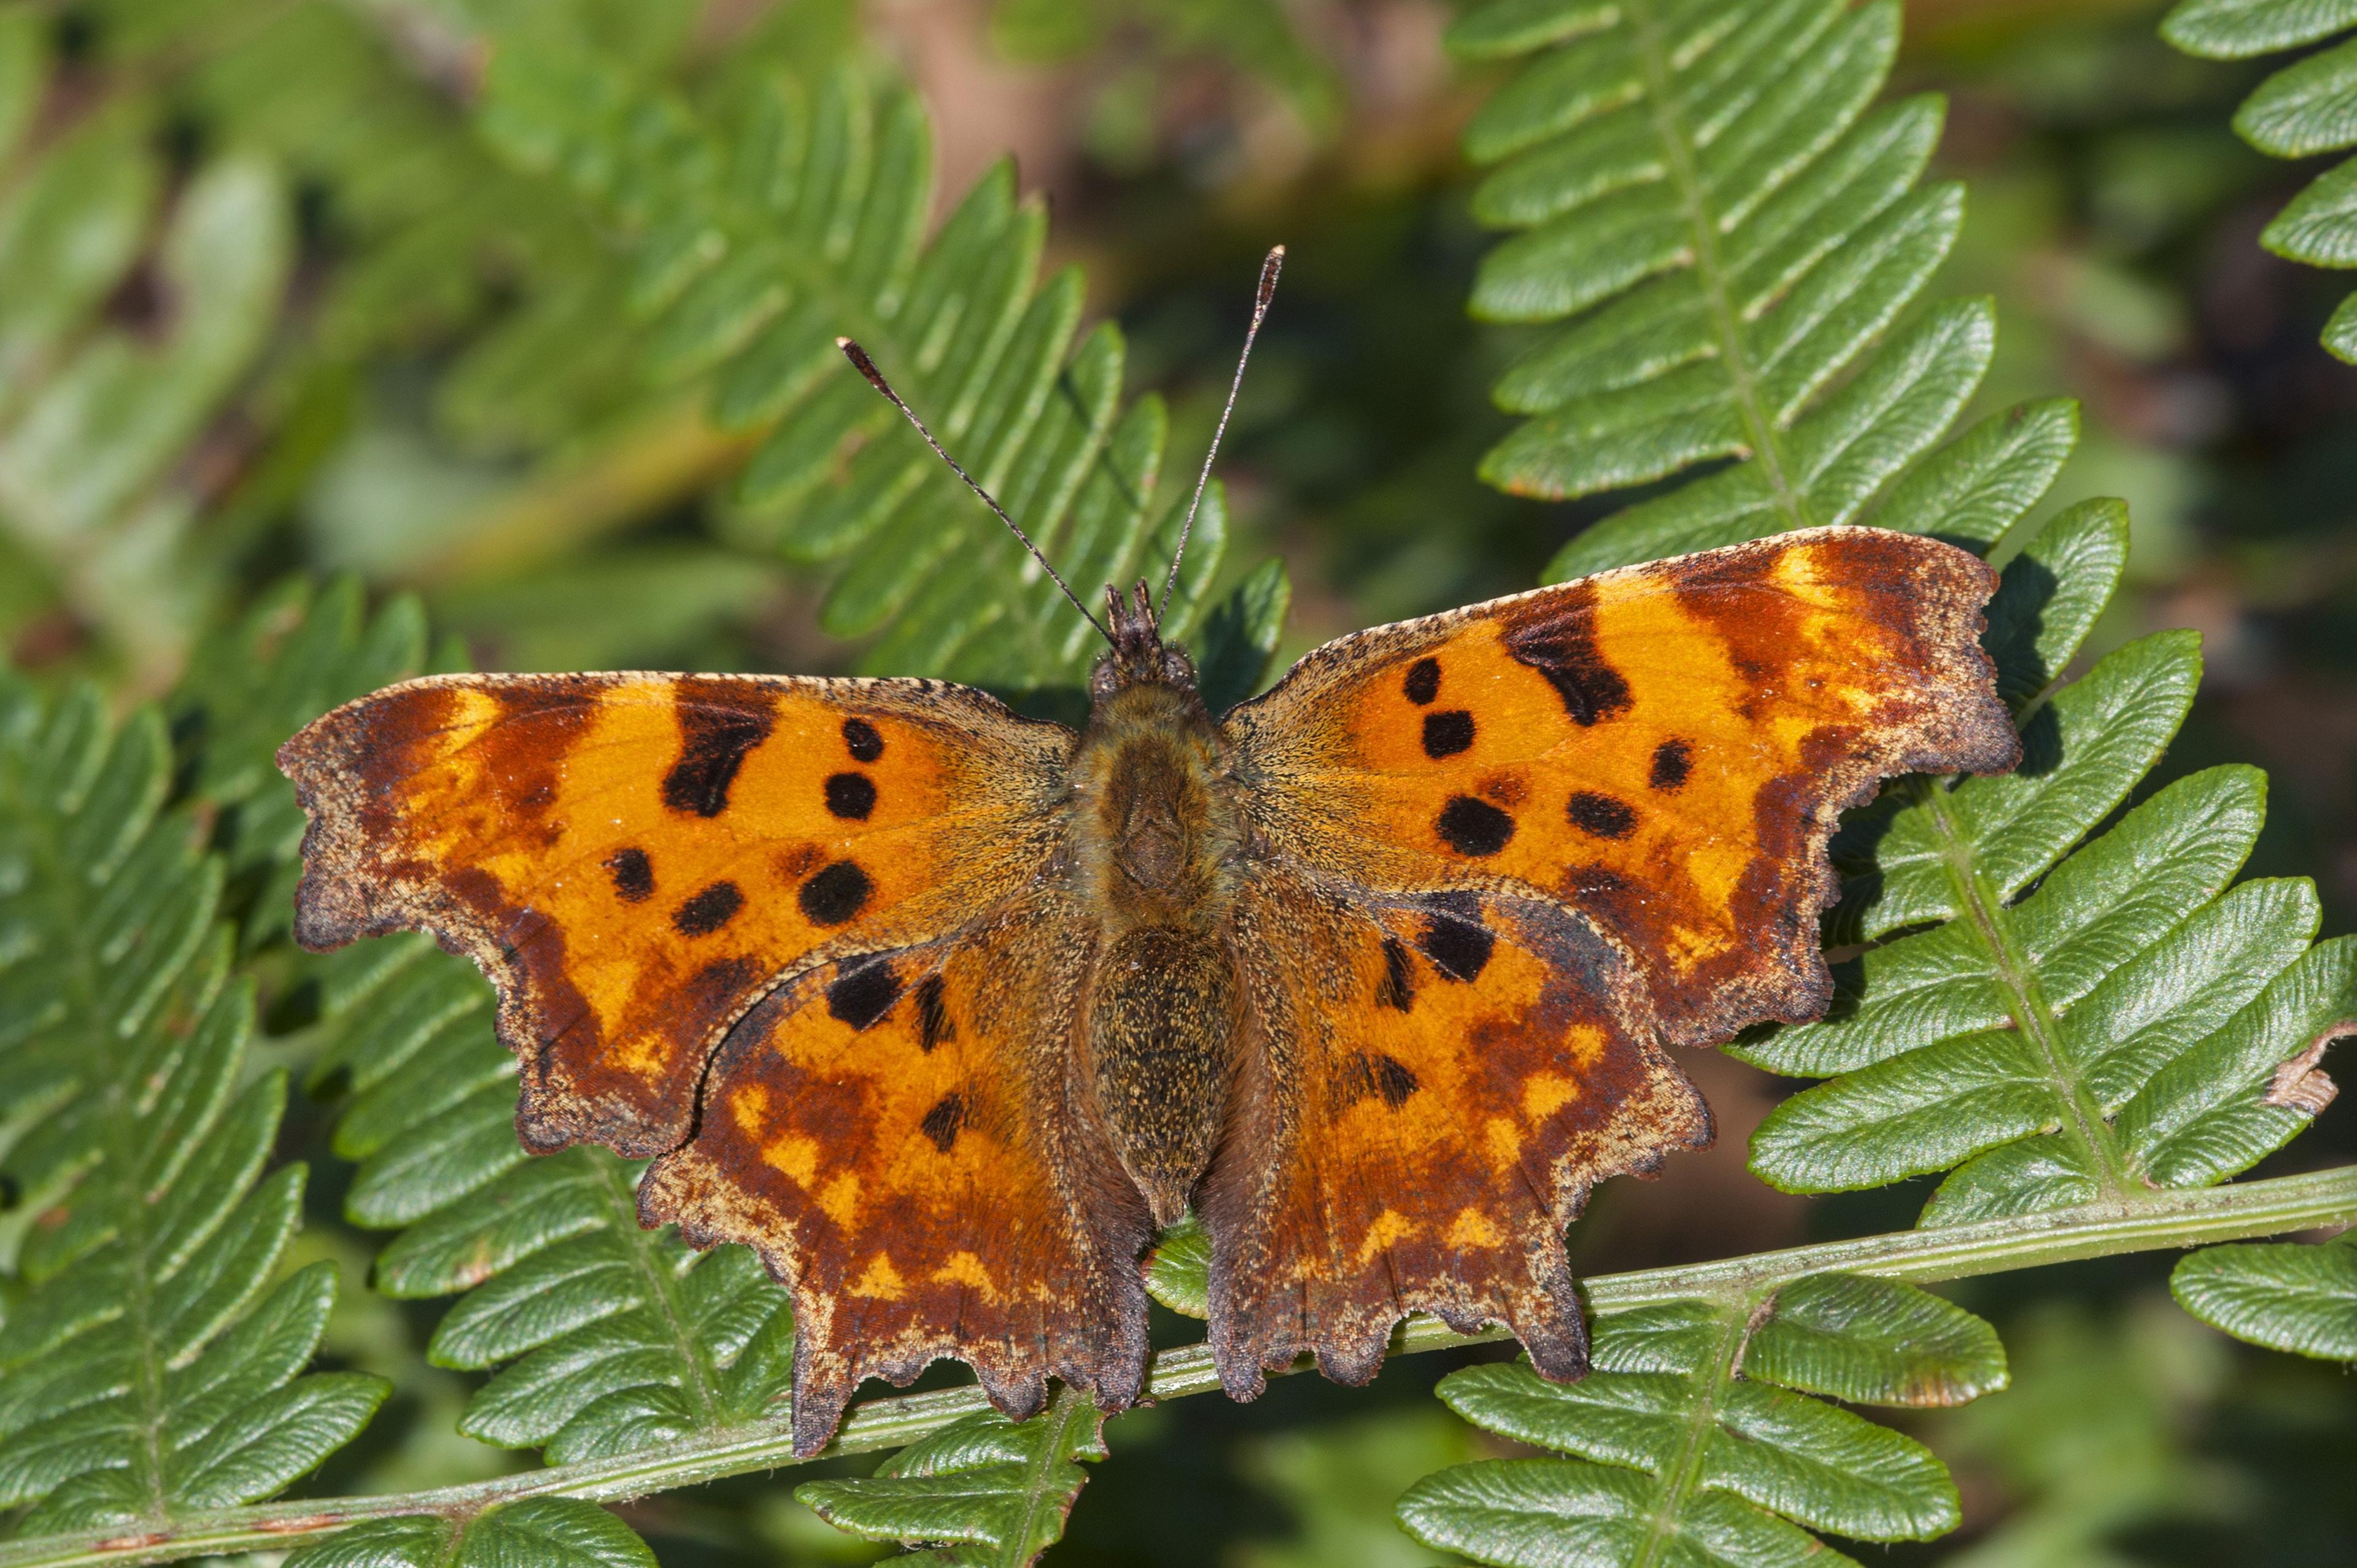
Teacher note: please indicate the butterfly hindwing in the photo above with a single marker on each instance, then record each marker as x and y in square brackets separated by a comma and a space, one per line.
[897, 1135]
[1510, 851]
[1431, 1087]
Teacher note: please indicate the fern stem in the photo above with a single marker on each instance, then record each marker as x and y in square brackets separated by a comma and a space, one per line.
[1683, 1474]
[2030, 1013]
[2166, 1220]
[1710, 269]
[661, 1284]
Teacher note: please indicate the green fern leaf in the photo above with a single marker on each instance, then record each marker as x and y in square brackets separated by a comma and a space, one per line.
[2281, 1294]
[1724, 233]
[96, 414]
[2304, 109]
[992, 1492]
[1692, 1444]
[147, 1369]
[757, 234]
[618, 1338]
[252, 684]
[608, 1338]
[538, 1532]
[2073, 1031]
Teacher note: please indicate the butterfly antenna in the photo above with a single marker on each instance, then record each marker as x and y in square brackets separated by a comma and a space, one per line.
[867, 367]
[1269, 268]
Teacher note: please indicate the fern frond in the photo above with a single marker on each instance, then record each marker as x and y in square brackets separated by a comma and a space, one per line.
[1725, 233]
[2282, 1295]
[612, 1338]
[413, 200]
[1694, 1439]
[251, 683]
[96, 412]
[145, 1373]
[754, 239]
[992, 1493]
[2304, 109]
[540, 1532]
[2071, 1029]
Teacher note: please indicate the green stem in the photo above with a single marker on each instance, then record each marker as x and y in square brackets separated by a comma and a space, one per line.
[1683, 1475]
[2083, 1117]
[1709, 267]
[2184, 1218]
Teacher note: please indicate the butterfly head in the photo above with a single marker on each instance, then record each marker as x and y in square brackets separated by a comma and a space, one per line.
[1138, 656]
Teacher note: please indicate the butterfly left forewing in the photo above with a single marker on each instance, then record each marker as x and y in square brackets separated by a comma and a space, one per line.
[634, 859]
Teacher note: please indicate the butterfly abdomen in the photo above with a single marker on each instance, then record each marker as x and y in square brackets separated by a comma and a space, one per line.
[1158, 841]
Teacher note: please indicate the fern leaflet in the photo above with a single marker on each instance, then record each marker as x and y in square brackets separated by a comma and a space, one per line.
[2072, 1032]
[97, 413]
[1724, 233]
[1695, 1443]
[544, 1533]
[148, 1370]
[2281, 1294]
[993, 1493]
[2304, 109]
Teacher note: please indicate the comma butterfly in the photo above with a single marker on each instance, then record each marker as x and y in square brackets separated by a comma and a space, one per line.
[945, 1010]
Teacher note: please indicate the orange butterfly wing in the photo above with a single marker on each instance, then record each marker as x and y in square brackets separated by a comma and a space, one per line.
[1514, 850]
[671, 877]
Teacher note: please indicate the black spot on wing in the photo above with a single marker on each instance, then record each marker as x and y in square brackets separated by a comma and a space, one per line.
[934, 1024]
[1672, 760]
[708, 912]
[861, 996]
[1398, 991]
[850, 796]
[716, 732]
[1460, 949]
[1470, 826]
[1600, 815]
[1423, 682]
[860, 739]
[1562, 647]
[1373, 1072]
[1446, 733]
[633, 874]
[837, 893]
[944, 1121]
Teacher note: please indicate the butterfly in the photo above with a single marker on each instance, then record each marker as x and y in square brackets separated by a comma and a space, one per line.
[947, 1011]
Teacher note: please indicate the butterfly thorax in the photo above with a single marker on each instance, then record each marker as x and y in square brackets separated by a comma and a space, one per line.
[1158, 844]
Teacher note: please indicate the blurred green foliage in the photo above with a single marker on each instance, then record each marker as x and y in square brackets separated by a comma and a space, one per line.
[294, 287]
